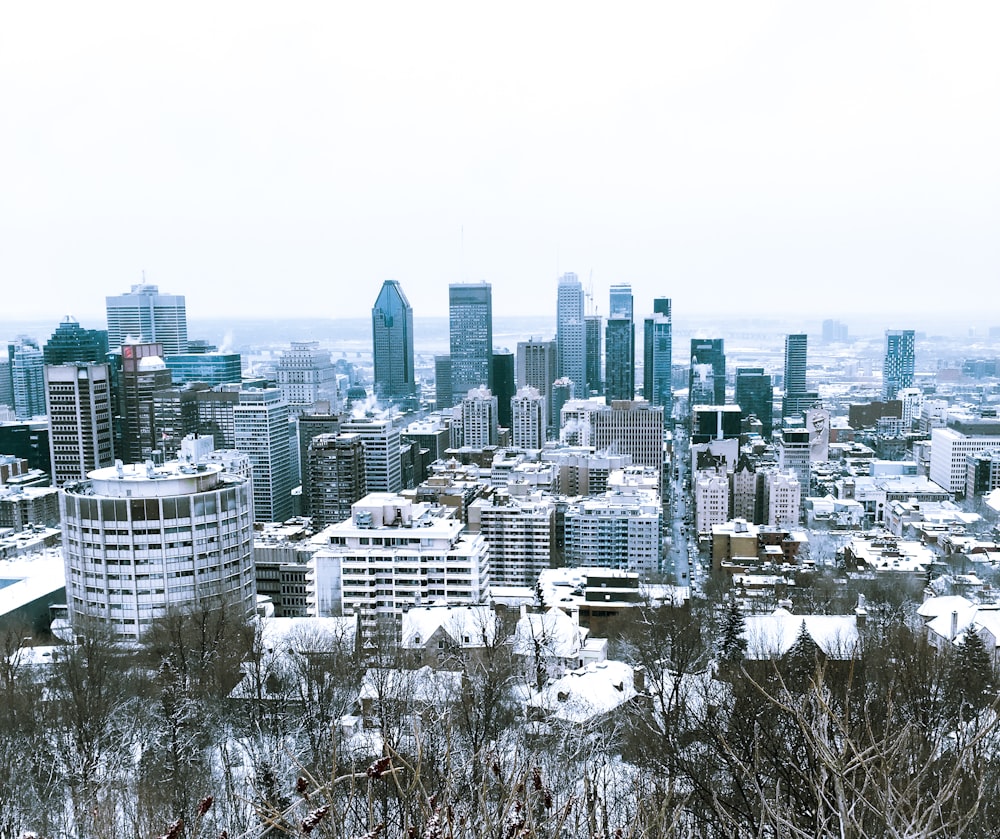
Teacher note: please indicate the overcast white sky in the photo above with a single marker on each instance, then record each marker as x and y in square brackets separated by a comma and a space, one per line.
[286, 158]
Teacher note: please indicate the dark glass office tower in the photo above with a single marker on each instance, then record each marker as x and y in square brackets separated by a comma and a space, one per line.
[392, 343]
[707, 376]
[755, 395]
[619, 338]
[657, 355]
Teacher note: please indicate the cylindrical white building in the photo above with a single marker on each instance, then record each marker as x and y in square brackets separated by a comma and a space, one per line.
[141, 541]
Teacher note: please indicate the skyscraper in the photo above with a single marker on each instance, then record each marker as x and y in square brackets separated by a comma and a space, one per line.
[71, 342]
[536, 367]
[658, 355]
[146, 316]
[27, 380]
[503, 385]
[336, 467]
[383, 469]
[594, 327]
[470, 320]
[392, 342]
[755, 395]
[898, 365]
[442, 382]
[619, 339]
[261, 429]
[796, 398]
[143, 372]
[479, 419]
[707, 377]
[529, 419]
[81, 418]
[571, 332]
[306, 376]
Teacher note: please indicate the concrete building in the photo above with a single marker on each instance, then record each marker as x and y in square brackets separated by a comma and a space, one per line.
[21, 507]
[336, 467]
[537, 367]
[144, 315]
[383, 469]
[711, 500]
[470, 321]
[81, 433]
[529, 419]
[620, 529]
[630, 427]
[392, 343]
[782, 498]
[306, 376]
[140, 542]
[282, 552]
[261, 429]
[950, 449]
[143, 372]
[479, 419]
[520, 530]
[391, 554]
[581, 471]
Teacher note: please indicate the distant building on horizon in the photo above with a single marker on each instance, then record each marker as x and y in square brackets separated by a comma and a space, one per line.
[306, 375]
[797, 399]
[392, 344]
[26, 379]
[147, 316]
[898, 363]
[537, 366]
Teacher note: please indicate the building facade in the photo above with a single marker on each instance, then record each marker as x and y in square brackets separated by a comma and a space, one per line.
[260, 420]
[142, 542]
[707, 376]
[898, 363]
[392, 344]
[470, 322]
[657, 367]
[144, 315]
[571, 332]
[529, 419]
[619, 346]
[81, 419]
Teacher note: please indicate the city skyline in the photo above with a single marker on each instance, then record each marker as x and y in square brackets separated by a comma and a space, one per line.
[253, 161]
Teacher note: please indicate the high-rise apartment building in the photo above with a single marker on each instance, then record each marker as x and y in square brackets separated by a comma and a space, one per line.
[140, 542]
[898, 364]
[520, 530]
[313, 422]
[336, 467]
[81, 432]
[383, 469]
[529, 419]
[537, 365]
[479, 419]
[658, 355]
[470, 321]
[619, 341]
[72, 343]
[755, 395]
[27, 380]
[260, 421]
[306, 376]
[143, 372]
[146, 316]
[571, 332]
[392, 343]
[707, 377]
[594, 325]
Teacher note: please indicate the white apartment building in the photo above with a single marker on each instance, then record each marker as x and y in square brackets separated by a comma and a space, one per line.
[949, 450]
[620, 529]
[711, 500]
[393, 553]
[383, 470]
[520, 529]
[528, 419]
[260, 421]
[479, 419]
[782, 498]
[140, 541]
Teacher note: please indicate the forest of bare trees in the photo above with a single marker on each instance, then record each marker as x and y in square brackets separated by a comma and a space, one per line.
[204, 731]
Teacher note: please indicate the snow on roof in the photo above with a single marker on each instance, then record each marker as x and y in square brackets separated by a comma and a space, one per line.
[308, 635]
[425, 685]
[554, 633]
[932, 607]
[478, 624]
[771, 636]
[30, 577]
[587, 693]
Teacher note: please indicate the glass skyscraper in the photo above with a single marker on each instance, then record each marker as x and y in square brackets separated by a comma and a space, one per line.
[470, 321]
[146, 316]
[571, 334]
[619, 339]
[392, 341]
[658, 355]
